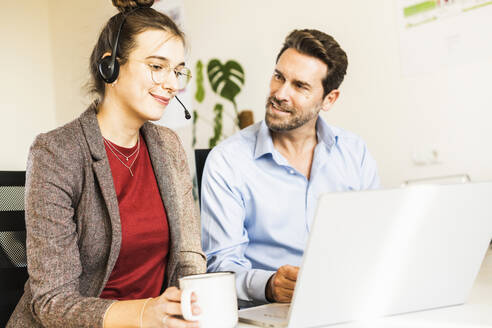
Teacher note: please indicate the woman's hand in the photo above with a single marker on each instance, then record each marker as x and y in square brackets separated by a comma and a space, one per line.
[163, 311]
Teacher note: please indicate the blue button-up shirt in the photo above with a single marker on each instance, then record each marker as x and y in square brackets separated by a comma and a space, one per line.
[257, 209]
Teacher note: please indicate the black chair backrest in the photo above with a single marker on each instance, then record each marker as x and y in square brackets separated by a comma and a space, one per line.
[13, 262]
[200, 158]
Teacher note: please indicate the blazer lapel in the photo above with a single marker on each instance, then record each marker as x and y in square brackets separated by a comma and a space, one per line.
[102, 170]
[163, 164]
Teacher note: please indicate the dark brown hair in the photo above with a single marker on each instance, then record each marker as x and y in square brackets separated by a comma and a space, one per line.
[139, 17]
[324, 47]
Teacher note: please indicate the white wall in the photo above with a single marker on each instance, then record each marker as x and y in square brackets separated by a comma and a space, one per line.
[75, 26]
[26, 85]
[448, 110]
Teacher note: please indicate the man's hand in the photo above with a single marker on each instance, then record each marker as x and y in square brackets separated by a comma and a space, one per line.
[280, 286]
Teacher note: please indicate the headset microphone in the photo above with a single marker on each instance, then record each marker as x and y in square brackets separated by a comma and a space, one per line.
[187, 114]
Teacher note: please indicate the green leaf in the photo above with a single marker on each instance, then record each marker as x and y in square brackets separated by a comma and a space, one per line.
[200, 90]
[226, 80]
[195, 120]
[195, 116]
[218, 110]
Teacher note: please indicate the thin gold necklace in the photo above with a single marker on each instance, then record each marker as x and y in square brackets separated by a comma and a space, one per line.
[129, 167]
[111, 145]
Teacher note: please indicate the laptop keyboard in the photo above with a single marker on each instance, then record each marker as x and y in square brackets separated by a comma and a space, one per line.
[269, 313]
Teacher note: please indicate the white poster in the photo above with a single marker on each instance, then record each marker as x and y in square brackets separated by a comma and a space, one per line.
[439, 33]
[174, 116]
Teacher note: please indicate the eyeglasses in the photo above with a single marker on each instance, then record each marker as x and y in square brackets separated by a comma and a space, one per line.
[159, 72]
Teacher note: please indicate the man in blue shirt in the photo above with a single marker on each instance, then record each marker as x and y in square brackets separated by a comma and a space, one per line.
[260, 187]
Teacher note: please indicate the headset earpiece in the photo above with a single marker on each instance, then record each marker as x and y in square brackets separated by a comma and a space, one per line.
[109, 69]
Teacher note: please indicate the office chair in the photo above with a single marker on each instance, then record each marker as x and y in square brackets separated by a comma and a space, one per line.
[13, 261]
[200, 158]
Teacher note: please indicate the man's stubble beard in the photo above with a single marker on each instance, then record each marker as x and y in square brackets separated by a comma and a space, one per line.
[295, 120]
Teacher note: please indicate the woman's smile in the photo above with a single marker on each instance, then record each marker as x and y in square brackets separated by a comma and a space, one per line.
[160, 99]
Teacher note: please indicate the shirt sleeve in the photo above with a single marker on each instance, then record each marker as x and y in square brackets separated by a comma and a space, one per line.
[224, 236]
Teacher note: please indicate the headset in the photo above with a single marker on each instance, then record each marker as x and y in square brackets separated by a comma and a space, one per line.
[109, 68]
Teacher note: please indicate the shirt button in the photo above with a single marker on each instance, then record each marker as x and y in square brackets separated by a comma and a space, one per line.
[291, 171]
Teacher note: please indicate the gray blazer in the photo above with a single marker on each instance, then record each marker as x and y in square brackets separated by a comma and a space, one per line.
[73, 224]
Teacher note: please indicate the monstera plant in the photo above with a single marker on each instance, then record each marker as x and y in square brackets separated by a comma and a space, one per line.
[226, 81]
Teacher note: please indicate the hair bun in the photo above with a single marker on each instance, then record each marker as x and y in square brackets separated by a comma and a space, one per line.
[128, 5]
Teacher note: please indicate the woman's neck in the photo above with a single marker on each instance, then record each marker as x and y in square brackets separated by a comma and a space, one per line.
[117, 125]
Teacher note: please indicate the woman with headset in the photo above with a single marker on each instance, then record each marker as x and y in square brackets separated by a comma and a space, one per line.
[110, 216]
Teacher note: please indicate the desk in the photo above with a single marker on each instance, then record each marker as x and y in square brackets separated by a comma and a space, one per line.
[475, 313]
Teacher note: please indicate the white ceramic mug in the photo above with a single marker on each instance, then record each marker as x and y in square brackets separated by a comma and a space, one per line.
[216, 294]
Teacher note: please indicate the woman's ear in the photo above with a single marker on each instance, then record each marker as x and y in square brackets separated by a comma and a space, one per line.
[106, 54]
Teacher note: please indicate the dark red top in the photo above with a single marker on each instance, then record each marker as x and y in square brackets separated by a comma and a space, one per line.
[139, 270]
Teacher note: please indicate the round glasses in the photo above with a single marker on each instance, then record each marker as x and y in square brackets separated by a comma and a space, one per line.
[159, 73]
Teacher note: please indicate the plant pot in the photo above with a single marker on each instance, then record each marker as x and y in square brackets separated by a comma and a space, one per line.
[245, 118]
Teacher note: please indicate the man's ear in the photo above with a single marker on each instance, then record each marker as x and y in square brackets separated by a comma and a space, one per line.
[330, 99]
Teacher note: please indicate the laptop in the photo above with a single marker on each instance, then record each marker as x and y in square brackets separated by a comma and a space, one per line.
[382, 252]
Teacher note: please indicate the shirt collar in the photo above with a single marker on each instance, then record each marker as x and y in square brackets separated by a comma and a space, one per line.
[325, 133]
[264, 143]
